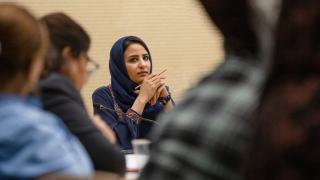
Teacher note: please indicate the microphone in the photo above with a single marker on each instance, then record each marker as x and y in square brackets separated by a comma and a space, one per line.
[103, 108]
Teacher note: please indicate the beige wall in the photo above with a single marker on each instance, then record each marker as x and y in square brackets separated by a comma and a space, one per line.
[180, 36]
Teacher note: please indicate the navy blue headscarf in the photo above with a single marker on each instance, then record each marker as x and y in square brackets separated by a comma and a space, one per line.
[122, 86]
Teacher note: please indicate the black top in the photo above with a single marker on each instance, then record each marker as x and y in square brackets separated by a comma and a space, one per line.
[60, 97]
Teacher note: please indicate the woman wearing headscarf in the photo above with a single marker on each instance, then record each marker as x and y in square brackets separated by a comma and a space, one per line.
[136, 96]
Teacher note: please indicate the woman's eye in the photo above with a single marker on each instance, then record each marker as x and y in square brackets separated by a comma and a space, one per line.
[133, 60]
[145, 58]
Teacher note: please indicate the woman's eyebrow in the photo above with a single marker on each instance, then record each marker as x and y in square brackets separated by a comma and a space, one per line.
[134, 55]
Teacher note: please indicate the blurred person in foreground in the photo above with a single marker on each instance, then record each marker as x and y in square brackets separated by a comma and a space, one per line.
[287, 123]
[207, 135]
[66, 70]
[33, 143]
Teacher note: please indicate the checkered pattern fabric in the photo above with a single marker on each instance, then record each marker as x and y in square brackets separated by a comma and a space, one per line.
[205, 136]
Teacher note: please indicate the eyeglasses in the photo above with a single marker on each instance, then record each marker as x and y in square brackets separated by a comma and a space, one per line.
[92, 66]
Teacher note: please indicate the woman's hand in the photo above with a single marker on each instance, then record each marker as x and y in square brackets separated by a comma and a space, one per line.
[149, 90]
[161, 92]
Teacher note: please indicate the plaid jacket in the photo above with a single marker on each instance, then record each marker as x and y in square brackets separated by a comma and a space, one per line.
[206, 135]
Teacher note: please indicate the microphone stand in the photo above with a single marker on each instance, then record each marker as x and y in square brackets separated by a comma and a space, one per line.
[103, 108]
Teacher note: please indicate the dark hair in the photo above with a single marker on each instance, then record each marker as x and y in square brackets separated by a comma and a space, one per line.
[136, 40]
[63, 32]
[287, 122]
[233, 19]
[298, 39]
[22, 38]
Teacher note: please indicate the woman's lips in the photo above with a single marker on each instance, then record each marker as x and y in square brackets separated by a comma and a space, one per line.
[143, 73]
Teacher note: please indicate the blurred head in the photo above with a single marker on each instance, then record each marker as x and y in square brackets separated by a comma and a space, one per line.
[136, 59]
[23, 43]
[233, 18]
[298, 39]
[68, 51]
[285, 144]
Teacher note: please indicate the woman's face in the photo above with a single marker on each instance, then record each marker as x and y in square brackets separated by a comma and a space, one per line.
[77, 67]
[80, 71]
[137, 61]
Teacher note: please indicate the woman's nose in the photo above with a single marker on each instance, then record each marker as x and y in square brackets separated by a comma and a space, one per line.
[142, 62]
